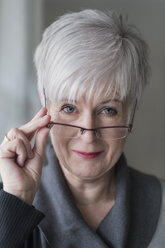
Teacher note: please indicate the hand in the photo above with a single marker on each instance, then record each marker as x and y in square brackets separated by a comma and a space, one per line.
[20, 165]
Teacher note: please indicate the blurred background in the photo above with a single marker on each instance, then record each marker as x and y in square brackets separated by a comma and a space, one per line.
[21, 25]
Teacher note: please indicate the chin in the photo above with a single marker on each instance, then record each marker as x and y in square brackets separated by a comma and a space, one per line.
[86, 174]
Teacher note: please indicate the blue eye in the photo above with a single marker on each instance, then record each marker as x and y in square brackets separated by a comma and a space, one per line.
[68, 108]
[109, 111]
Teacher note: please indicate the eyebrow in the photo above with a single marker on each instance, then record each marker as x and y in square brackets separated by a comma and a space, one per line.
[68, 100]
[111, 100]
[104, 102]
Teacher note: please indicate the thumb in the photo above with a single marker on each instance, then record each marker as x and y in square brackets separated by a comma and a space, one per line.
[40, 141]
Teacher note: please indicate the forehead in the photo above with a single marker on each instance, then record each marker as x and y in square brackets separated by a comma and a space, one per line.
[91, 102]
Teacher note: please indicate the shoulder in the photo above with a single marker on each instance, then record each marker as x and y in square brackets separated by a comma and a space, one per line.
[138, 175]
[159, 237]
[146, 191]
[146, 202]
[145, 183]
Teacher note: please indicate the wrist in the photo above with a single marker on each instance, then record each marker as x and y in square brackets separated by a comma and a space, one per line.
[25, 196]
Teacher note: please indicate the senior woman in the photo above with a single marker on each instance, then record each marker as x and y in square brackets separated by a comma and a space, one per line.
[92, 67]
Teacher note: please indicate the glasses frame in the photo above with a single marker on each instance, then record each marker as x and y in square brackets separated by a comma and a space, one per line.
[95, 130]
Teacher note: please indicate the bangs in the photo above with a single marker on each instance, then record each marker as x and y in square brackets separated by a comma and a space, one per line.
[74, 89]
[94, 82]
[94, 54]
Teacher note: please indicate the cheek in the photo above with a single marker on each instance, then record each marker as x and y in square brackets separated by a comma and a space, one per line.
[118, 145]
[60, 146]
[114, 150]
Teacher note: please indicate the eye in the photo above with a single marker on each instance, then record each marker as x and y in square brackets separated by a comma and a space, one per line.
[68, 109]
[109, 111]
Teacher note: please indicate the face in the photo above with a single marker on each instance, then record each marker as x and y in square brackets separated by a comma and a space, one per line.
[87, 156]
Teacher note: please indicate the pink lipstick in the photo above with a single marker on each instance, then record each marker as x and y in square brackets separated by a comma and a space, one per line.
[87, 155]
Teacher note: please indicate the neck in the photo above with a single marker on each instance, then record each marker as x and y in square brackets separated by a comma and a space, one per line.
[91, 192]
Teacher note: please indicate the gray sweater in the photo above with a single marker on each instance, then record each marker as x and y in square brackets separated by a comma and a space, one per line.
[137, 220]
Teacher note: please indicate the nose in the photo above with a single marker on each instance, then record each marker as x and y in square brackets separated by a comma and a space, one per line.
[88, 123]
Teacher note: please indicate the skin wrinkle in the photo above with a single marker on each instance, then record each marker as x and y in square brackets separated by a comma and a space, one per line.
[55, 106]
[92, 182]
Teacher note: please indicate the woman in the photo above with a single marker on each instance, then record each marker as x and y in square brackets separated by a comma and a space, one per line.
[92, 67]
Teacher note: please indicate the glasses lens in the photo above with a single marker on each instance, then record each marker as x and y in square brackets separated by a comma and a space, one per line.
[65, 131]
[102, 133]
[113, 133]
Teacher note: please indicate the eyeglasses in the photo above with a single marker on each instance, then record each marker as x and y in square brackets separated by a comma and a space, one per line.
[71, 131]
[107, 132]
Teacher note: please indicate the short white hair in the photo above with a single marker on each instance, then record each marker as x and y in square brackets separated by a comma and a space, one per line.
[92, 52]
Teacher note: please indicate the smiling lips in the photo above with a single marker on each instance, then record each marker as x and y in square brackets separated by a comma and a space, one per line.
[87, 155]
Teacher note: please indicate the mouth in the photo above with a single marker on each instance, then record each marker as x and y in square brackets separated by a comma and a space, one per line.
[87, 155]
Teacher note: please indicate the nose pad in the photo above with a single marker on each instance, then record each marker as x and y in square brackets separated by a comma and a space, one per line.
[88, 135]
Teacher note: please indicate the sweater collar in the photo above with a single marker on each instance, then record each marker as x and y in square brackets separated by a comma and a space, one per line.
[64, 226]
[114, 228]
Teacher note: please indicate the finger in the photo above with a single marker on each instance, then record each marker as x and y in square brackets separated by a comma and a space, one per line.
[5, 140]
[40, 141]
[14, 149]
[41, 113]
[38, 150]
[21, 152]
[16, 133]
[31, 127]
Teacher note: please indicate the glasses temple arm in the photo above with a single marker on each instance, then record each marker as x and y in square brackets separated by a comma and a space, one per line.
[44, 93]
[133, 115]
